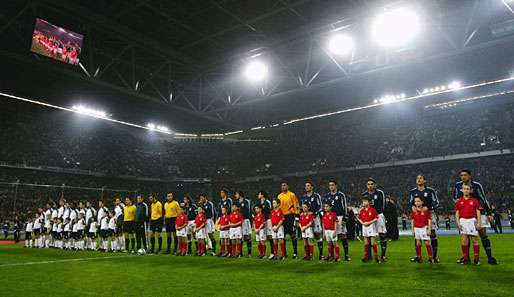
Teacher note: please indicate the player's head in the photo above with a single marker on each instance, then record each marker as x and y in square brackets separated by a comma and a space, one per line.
[420, 180]
[117, 201]
[466, 190]
[224, 209]
[327, 207]
[169, 197]
[371, 184]
[128, 201]
[465, 175]
[238, 194]
[276, 203]
[81, 204]
[223, 193]
[305, 207]
[365, 202]
[235, 206]
[87, 204]
[62, 201]
[309, 186]
[100, 203]
[187, 199]
[332, 185]
[151, 198]
[262, 194]
[284, 186]
[202, 197]
[257, 209]
[200, 209]
[418, 202]
[139, 198]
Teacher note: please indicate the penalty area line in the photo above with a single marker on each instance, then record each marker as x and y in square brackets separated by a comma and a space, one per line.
[61, 261]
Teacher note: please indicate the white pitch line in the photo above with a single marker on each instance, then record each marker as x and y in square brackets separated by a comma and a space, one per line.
[60, 261]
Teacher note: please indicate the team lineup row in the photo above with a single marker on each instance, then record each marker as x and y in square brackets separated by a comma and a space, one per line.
[317, 220]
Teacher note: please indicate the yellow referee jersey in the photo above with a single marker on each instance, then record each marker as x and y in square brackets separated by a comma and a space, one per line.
[289, 203]
[156, 210]
[171, 209]
[129, 213]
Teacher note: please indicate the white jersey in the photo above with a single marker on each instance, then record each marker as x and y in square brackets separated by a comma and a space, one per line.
[67, 227]
[66, 213]
[59, 228]
[37, 223]
[112, 223]
[80, 225]
[73, 214]
[82, 211]
[54, 228]
[118, 211]
[104, 223]
[48, 215]
[102, 212]
[75, 227]
[54, 214]
[60, 212]
[28, 228]
[92, 227]
[89, 214]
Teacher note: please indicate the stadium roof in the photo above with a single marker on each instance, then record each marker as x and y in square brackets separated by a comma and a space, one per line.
[180, 62]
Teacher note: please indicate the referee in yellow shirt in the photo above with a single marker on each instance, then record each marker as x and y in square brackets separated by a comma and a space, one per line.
[290, 207]
[156, 222]
[171, 211]
[129, 216]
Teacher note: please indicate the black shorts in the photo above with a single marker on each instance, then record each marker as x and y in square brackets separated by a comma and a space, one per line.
[170, 224]
[66, 235]
[28, 235]
[118, 230]
[156, 225]
[111, 232]
[104, 234]
[289, 224]
[36, 231]
[57, 235]
[45, 230]
[91, 235]
[80, 234]
[129, 227]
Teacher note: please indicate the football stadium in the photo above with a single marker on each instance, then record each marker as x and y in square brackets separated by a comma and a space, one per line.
[257, 148]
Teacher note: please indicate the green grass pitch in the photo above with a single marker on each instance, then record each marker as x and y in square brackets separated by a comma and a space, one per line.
[48, 272]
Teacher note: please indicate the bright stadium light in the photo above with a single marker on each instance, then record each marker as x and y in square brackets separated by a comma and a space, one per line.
[89, 111]
[340, 45]
[395, 27]
[256, 71]
[150, 126]
[454, 85]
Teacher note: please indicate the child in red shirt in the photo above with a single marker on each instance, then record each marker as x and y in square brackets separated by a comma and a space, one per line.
[236, 232]
[259, 225]
[421, 222]
[224, 227]
[277, 219]
[199, 230]
[306, 222]
[467, 215]
[329, 220]
[368, 217]
[181, 227]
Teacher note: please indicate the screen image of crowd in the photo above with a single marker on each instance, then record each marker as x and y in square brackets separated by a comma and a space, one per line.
[79, 162]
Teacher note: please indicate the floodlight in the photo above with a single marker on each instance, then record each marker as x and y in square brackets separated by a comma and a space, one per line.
[395, 27]
[340, 45]
[256, 71]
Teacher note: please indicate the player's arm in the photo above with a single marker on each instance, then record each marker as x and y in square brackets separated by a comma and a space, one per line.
[411, 200]
[412, 226]
[435, 200]
[479, 222]
[429, 227]
[483, 200]
[457, 219]
[278, 225]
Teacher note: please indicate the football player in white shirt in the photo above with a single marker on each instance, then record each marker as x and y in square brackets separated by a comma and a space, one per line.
[118, 216]
[92, 234]
[60, 211]
[47, 227]
[74, 234]
[58, 234]
[66, 234]
[81, 225]
[102, 212]
[104, 233]
[53, 234]
[28, 232]
[36, 228]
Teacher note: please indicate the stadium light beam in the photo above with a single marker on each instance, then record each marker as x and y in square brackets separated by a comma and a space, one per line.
[256, 71]
[341, 45]
[395, 27]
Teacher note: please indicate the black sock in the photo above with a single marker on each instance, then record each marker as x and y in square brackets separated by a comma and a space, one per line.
[249, 246]
[213, 242]
[196, 246]
[434, 243]
[168, 243]
[383, 245]
[487, 247]
[152, 242]
[133, 243]
[320, 247]
[127, 244]
[175, 243]
[270, 245]
[295, 246]
[159, 240]
[189, 248]
[345, 246]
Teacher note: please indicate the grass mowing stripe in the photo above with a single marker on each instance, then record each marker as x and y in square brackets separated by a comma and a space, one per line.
[60, 261]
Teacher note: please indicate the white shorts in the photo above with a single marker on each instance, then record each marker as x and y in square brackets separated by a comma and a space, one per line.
[261, 235]
[468, 226]
[435, 227]
[190, 227]
[381, 224]
[279, 234]
[224, 234]
[200, 234]
[484, 221]
[421, 233]
[369, 231]
[316, 225]
[269, 228]
[340, 227]
[247, 227]
[182, 232]
[330, 236]
[209, 226]
[236, 233]
[307, 233]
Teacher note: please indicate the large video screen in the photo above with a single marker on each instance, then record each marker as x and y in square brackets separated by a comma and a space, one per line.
[56, 42]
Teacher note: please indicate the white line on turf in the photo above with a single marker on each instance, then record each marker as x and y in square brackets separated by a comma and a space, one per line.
[61, 261]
